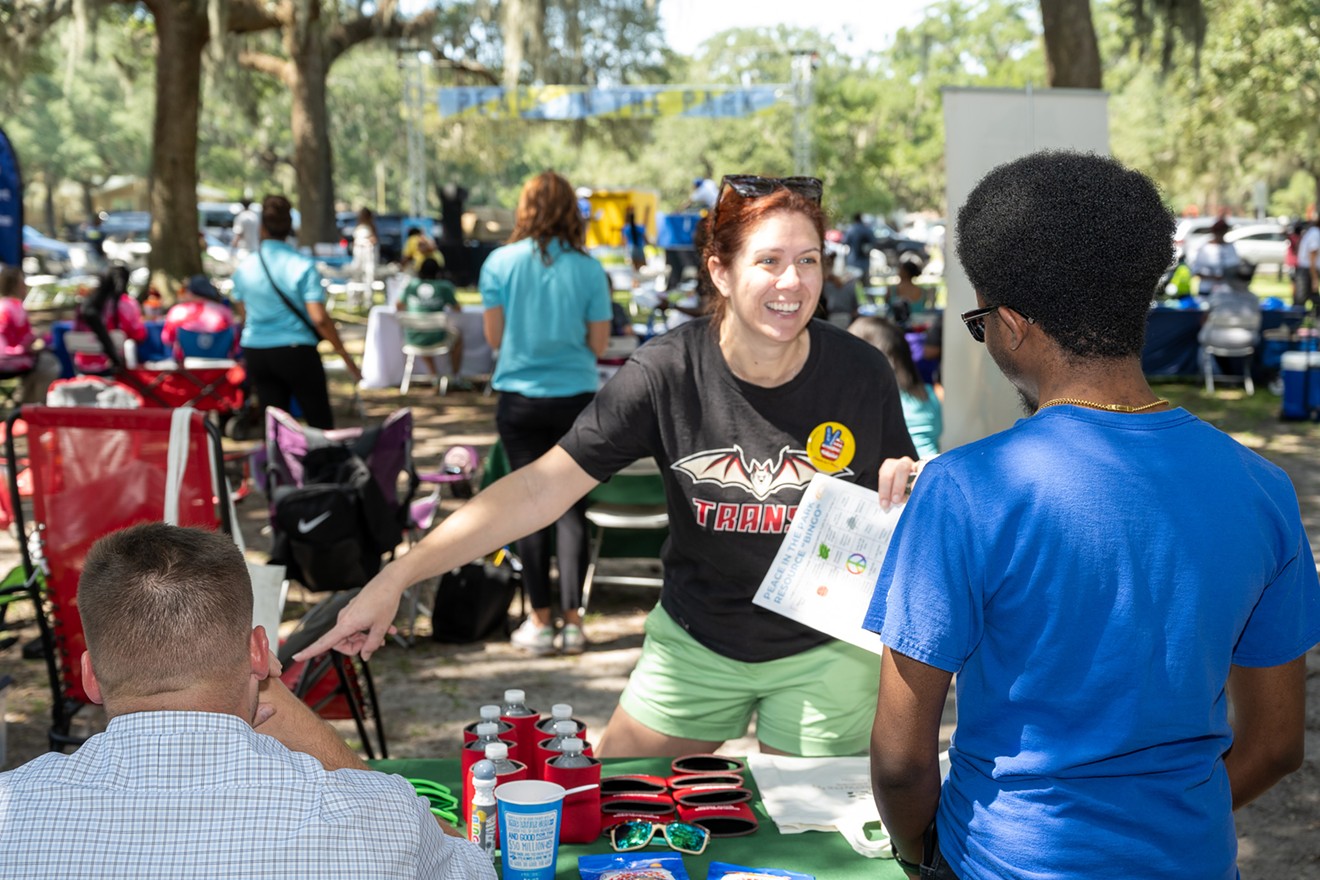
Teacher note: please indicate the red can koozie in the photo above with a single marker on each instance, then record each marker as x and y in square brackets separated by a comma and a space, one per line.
[536, 767]
[524, 720]
[582, 820]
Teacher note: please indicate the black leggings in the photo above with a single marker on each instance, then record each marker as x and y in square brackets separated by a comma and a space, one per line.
[529, 427]
[280, 374]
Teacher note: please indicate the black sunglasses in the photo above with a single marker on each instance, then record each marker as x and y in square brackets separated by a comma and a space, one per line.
[975, 321]
[751, 186]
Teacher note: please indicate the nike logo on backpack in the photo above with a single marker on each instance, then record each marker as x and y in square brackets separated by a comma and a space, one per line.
[306, 525]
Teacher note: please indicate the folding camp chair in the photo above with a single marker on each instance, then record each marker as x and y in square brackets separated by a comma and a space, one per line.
[387, 452]
[632, 506]
[206, 346]
[206, 381]
[95, 471]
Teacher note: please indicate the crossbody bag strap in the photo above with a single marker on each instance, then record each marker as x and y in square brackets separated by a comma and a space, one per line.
[285, 297]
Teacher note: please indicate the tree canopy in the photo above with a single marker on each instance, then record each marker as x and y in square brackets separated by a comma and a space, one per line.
[1207, 112]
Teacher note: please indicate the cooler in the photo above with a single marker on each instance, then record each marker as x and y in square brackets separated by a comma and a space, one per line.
[1313, 381]
[1296, 395]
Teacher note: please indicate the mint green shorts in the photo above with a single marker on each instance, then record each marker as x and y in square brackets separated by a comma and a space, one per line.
[817, 703]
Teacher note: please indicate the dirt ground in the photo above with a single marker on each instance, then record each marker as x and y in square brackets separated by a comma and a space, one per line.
[429, 691]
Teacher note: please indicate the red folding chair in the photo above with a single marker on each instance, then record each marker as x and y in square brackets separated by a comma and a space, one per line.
[95, 471]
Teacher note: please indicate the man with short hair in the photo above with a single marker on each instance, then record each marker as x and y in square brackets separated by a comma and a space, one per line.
[180, 785]
[1103, 577]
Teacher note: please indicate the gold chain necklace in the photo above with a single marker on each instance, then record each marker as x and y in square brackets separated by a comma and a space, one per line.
[1108, 407]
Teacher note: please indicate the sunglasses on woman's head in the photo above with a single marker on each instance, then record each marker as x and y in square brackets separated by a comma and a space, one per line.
[752, 186]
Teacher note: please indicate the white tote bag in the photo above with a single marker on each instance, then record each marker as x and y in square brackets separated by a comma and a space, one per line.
[269, 586]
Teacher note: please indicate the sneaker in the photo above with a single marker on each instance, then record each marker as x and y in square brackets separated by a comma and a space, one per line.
[535, 639]
[571, 639]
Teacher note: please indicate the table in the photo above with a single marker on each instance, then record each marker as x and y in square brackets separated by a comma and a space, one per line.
[1172, 348]
[382, 354]
[149, 349]
[826, 855]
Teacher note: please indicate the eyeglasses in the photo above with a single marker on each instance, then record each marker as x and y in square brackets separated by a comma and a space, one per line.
[751, 186]
[681, 836]
[975, 321]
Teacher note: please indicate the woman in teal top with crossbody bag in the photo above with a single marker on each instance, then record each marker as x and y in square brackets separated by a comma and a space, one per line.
[548, 313]
[278, 296]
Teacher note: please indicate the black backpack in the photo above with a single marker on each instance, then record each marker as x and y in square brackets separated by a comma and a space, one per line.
[332, 531]
[472, 602]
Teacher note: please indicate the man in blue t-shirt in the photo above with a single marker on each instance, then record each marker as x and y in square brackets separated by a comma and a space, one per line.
[1104, 577]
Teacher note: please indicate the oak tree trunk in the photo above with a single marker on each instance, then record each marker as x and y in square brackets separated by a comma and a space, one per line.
[1072, 55]
[312, 159]
[182, 32]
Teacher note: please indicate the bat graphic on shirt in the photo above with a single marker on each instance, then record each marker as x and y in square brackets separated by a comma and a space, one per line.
[760, 479]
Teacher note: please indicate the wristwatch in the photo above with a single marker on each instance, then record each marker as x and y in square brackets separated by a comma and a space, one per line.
[909, 867]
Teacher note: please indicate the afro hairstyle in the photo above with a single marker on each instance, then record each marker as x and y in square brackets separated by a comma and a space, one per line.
[1075, 241]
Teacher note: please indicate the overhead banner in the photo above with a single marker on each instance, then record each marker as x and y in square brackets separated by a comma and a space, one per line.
[613, 102]
[11, 205]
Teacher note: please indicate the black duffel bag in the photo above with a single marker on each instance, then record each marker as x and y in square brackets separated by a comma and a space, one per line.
[472, 602]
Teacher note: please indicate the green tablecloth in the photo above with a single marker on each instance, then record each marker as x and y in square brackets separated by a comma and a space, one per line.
[823, 854]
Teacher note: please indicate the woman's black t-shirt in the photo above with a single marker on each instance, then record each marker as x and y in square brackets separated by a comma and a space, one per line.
[735, 459]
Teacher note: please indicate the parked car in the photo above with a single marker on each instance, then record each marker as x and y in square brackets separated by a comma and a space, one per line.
[1192, 232]
[217, 219]
[1260, 243]
[894, 247]
[131, 247]
[390, 229]
[125, 223]
[43, 255]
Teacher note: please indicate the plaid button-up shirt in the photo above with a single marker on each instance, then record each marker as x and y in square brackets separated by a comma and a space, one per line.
[201, 795]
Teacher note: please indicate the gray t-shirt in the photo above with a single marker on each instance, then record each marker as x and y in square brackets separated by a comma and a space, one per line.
[735, 459]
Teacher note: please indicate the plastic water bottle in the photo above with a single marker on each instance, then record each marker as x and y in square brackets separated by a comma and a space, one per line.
[515, 704]
[481, 829]
[487, 732]
[489, 713]
[498, 754]
[564, 731]
[570, 755]
[523, 719]
[559, 712]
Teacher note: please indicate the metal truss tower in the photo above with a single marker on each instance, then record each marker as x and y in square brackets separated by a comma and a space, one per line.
[411, 63]
[804, 70]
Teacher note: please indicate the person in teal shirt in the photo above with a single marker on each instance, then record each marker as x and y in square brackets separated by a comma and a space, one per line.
[429, 292]
[921, 402]
[548, 310]
[279, 297]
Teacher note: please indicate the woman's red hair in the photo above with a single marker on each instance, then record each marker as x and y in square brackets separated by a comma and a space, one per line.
[548, 210]
[734, 219]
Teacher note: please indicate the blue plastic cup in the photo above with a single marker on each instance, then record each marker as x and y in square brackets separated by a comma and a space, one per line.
[530, 812]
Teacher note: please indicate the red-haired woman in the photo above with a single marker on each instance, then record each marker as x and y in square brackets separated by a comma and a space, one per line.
[548, 313]
[740, 409]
